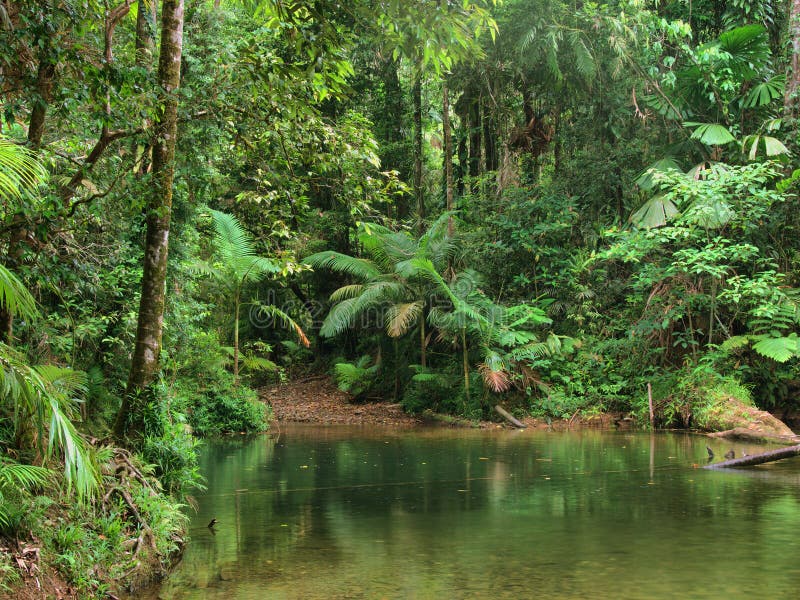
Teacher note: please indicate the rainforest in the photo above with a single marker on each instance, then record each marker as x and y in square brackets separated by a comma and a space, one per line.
[419, 217]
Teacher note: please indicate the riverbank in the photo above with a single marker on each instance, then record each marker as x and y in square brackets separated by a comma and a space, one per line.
[122, 538]
[318, 400]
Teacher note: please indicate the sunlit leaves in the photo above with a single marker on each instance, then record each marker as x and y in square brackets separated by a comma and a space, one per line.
[19, 170]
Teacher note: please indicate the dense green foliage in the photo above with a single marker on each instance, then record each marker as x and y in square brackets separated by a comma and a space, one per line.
[544, 204]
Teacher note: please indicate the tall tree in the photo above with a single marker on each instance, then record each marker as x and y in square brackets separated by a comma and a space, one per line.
[145, 363]
[791, 100]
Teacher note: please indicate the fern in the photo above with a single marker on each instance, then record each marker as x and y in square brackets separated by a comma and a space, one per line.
[355, 378]
[779, 349]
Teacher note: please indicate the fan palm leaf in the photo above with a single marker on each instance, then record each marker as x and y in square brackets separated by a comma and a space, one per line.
[347, 291]
[236, 252]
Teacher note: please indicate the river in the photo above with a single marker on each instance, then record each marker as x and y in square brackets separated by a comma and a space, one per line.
[348, 512]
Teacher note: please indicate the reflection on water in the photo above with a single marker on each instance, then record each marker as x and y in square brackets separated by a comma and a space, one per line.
[342, 512]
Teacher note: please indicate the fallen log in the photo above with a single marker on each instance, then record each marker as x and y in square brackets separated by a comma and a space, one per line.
[757, 459]
[509, 417]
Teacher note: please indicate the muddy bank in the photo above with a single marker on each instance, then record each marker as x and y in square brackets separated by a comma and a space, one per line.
[317, 400]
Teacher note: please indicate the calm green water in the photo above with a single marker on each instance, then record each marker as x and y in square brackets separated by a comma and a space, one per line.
[342, 512]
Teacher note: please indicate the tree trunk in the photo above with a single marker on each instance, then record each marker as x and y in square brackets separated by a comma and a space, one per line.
[757, 459]
[791, 101]
[236, 338]
[146, 33]
[44, 94]
[45, 76]
[509, 417]
[146, 20]
[144, 366]
[489, 142]
[418, 195]
[474, 159]
[448, 156]
[465, 357]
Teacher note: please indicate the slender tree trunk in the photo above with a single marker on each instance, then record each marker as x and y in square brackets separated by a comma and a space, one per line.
[448, 156]
[489, 145]
[474, 159]
[423, 351]
[145, 365]
[146, 33]
[236, 338]
[465, 356]
[791, 99]
[418, 195]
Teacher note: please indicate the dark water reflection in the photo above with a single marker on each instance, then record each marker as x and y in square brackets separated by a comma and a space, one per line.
[342, 512]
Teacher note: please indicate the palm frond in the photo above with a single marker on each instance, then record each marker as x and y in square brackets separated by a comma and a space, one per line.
[347, 291]
[231, 239]
[494, 373]
[273, 312]
[15, 297]
[19, 170]
[401, 317]
[361, 268]
[251, 362]
[39, 397]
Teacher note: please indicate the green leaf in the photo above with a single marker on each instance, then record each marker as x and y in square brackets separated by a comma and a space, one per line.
[646, 179]
[779, 349]
[711, 134]
[656, 212]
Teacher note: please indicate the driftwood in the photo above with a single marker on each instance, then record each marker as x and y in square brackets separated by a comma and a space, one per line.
[757, 459]
[756, 436]
[509, 417]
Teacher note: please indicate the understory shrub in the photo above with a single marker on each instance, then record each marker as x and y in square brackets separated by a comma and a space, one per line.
[223, 407]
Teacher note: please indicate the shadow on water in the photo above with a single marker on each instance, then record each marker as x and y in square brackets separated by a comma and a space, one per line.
[343, 512]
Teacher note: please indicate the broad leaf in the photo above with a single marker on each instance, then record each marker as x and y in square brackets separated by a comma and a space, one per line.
[779, 349]
[711, 134]
[656, 212]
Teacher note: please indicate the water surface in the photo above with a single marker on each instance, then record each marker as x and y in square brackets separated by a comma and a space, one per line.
[344, 512]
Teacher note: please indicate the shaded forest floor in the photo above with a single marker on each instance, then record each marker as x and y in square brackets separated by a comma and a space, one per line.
[317, 400]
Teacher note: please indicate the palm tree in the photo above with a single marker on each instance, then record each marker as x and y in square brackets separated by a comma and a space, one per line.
[504, 335]
[390, 279]
[237, 264]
